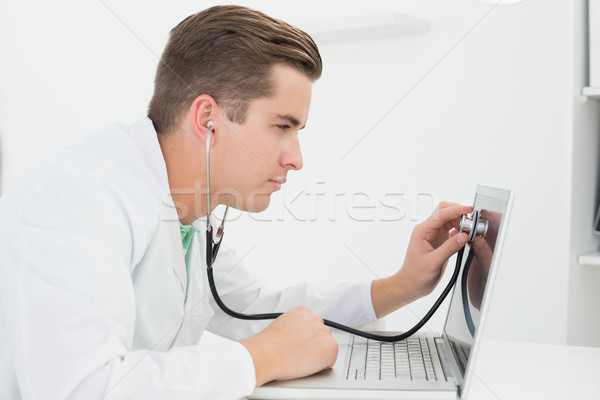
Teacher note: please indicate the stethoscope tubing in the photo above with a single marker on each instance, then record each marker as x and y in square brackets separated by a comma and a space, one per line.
[338, 326]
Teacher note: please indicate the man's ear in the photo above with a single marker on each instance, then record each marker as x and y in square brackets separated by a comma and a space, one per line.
[203, 110]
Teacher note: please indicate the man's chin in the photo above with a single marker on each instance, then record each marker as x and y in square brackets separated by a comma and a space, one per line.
[255, 204]
[258, 206]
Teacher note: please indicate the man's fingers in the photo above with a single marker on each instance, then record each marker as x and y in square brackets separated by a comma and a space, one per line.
[450, 246]
[444, 215]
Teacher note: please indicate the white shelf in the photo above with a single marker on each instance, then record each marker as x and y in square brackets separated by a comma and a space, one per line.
[593, 92]
[589, 258]
[367, 26]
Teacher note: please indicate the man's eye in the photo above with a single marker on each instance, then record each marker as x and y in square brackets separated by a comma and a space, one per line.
[283, 127]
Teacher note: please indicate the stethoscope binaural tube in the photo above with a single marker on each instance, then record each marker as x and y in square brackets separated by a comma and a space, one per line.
[212, 250]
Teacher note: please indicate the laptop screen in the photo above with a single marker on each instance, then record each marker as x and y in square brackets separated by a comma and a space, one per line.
[464, 314]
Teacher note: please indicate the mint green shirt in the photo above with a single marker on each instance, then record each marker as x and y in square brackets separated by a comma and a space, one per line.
[187, 234]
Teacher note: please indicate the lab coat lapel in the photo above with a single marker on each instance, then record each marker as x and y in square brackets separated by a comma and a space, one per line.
[197, 308]
[176, 254]
[145, 136]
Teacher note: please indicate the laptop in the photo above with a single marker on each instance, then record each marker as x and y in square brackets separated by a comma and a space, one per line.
[426, 365]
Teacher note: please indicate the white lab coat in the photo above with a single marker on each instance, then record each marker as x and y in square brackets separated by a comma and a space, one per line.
[95, 301]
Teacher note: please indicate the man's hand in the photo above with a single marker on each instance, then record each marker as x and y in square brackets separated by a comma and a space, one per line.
[296, 344]
[431, 244]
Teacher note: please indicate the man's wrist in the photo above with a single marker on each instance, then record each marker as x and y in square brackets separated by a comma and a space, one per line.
[390, 294]
[265, 359]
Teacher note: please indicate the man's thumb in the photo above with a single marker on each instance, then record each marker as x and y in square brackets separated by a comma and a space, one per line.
[452, 245]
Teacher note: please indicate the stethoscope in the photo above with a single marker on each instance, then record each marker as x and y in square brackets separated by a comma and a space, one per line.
[474, 225]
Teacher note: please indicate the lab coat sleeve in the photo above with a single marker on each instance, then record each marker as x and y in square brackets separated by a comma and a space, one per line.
[69, 303]
[347, 303]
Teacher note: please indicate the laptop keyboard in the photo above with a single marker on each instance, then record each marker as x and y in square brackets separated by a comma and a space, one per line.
[408, 359]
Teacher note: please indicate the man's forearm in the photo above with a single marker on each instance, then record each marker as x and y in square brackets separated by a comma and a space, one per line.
[388, 295]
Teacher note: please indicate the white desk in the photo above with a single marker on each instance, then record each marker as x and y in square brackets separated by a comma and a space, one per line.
[509, 370]
[515, 371]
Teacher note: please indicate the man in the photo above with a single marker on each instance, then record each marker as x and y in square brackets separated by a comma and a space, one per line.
[102, 269]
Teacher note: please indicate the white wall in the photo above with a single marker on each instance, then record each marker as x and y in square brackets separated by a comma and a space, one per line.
[486, 81]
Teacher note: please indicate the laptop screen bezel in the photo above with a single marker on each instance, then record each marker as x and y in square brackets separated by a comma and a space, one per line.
[463, 382]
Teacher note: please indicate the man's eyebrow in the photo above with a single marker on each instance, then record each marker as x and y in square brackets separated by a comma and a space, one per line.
[292, 120]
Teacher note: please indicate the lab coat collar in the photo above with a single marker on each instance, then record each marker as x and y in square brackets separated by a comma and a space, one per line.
[144, 134]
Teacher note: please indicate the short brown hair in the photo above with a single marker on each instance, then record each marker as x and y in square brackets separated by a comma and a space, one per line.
[228, 53]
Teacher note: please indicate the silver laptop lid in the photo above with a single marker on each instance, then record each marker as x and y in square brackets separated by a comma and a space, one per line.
[472, 291]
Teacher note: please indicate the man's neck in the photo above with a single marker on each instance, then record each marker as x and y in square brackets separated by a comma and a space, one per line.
[186, 174]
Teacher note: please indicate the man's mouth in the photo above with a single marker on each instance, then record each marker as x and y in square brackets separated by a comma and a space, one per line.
[277, 182]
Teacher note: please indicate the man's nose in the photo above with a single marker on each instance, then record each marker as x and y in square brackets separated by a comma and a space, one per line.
[292, 157]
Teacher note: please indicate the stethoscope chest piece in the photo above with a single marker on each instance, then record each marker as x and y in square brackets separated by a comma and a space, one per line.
[473, 225]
